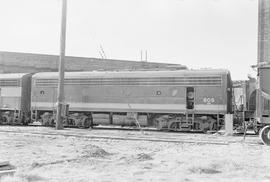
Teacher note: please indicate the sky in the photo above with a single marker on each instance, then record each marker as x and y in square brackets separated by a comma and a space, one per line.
[195, 33]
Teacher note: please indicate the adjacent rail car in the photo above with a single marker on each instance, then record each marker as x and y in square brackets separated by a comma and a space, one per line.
[15, 94]
[177, 100]
[244, 92]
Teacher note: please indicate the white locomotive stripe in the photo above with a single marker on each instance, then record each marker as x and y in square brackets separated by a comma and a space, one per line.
[127, 107]
[211, 107]
[11, 109]
[112, 106]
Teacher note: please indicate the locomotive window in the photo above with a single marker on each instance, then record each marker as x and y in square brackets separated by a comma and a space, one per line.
[190, 98]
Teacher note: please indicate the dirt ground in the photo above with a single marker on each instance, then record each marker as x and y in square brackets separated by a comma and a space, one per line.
[70, 158]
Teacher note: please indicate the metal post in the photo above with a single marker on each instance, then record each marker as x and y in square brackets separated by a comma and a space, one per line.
[261, 56]
[60, 96]
[258, 98]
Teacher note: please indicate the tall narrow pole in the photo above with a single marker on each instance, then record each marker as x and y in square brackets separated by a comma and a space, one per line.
[260, 58]
[263, 51]
[60, 96]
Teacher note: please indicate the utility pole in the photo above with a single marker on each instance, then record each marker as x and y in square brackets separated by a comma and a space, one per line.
[60, 96]
[263, 67]
[263, 52]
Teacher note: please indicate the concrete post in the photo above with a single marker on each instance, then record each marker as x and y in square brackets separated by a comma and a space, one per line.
[228, 124]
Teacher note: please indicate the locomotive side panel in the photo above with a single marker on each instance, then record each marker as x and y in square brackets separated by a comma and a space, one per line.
[13, 103]
[210, 100]
[113, 99]
[126, 98]
[139, 98]
[10, 94]
[43, 98]
[10, 98]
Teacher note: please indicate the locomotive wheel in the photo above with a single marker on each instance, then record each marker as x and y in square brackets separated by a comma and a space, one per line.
[5, 120]
[52, 122]
[87, 123]
[24, 120]
[265, 135]
[214, 127]
[174, 126]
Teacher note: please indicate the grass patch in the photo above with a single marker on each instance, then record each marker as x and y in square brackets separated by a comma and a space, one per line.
[95, 151]
[144, 157]
[202, 170]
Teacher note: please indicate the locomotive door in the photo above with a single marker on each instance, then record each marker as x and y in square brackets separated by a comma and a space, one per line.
[190, 97]
[1, 100]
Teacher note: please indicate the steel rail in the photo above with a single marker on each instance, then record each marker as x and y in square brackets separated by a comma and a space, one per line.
[131, 138]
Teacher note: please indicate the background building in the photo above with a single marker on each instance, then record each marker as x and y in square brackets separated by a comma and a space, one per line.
[14, 62]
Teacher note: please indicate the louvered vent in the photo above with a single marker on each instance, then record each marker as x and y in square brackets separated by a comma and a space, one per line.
[162, 81]
[10, 83]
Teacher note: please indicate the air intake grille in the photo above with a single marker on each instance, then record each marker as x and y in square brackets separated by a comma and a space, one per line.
[9, 83]
[162, 81]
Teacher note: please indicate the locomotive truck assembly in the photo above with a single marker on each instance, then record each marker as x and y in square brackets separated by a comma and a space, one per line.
[183, 100]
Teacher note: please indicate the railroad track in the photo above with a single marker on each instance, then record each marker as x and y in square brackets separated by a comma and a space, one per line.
[126, 128]
[127, 134]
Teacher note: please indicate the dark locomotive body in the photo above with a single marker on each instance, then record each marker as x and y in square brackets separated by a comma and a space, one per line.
[189, 100]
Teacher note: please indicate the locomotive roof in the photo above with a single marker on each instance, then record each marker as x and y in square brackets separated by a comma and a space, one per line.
[188, 73]
[12, 75]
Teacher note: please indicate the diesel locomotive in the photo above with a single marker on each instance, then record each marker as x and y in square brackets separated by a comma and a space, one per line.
[182, 100]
